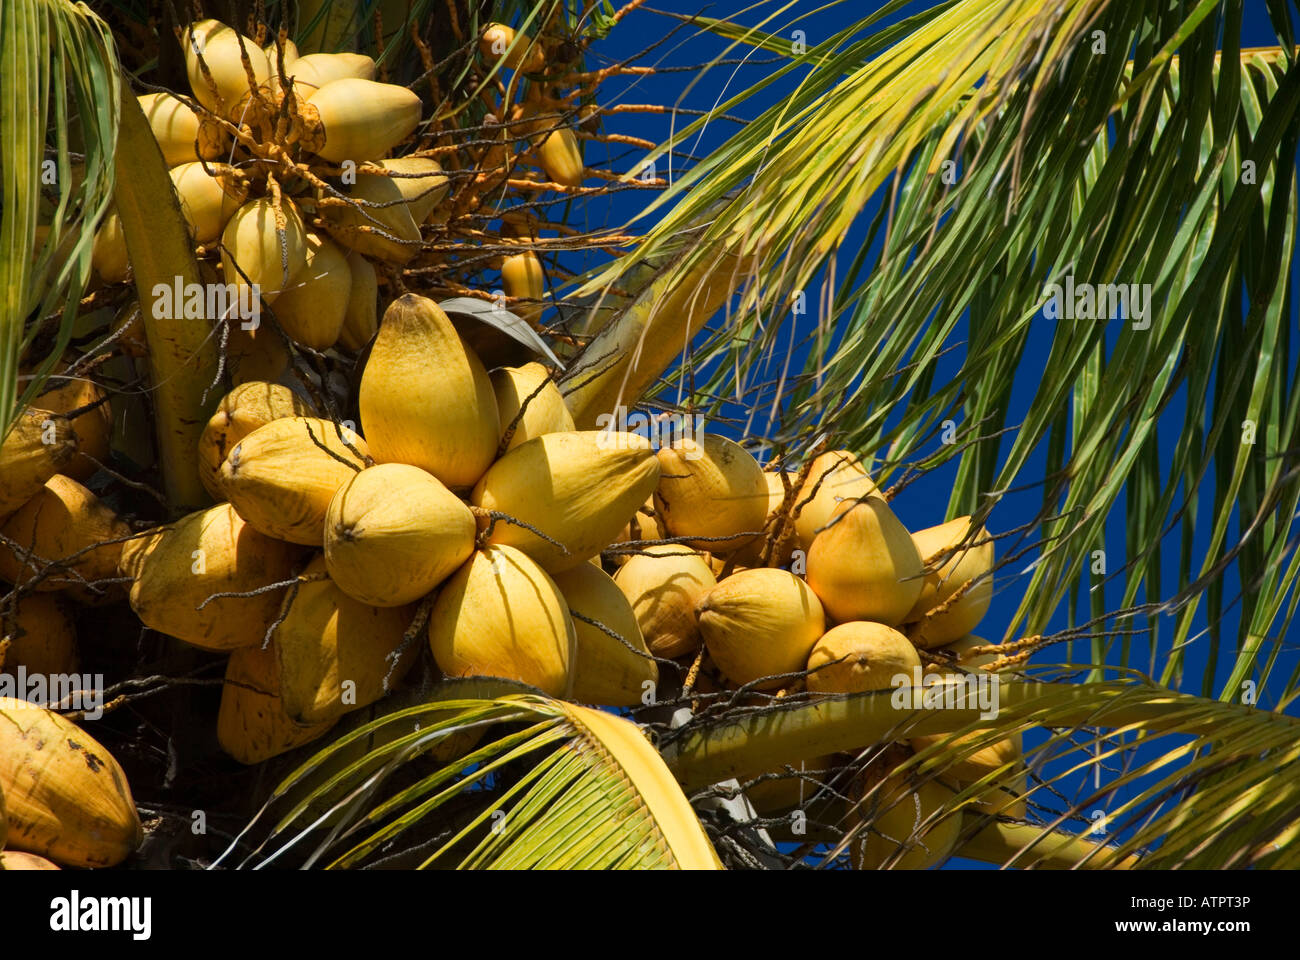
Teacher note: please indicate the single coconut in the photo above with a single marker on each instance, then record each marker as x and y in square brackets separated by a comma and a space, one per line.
[334, 651]
[613, 665]
[643, 526]
[393, 533]
[902, 828]
[560, 155]
[834, 477]
[578, 489]
[63, 537]
[175, 126]
[531, 389]
[37, 634]
[178, 570]
[39, 445]
[378, 223]
[522, 277]
[252, 724]
[66, 797]
[664, 583]
[263, 245]
[936, 618]
[519, 51]
[217, 61]
[760, 623]
[108, 253]
[249, 406]
[858, 656]
[313, 307]
[712, 491]
[208, 200]
[361, 316]
[362, 119]
[281, 477]
[425, 398]
[501, 615]
[864, 565]
[94, 428]
[313, 71]
[421, 182]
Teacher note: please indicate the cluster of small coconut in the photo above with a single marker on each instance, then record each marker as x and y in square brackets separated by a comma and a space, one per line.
[833, 596]
[280, 162]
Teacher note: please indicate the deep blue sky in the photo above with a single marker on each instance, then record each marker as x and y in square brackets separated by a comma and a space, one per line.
[921, 503]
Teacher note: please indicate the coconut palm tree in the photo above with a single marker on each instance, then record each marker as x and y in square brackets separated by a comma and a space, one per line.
[1015, 147]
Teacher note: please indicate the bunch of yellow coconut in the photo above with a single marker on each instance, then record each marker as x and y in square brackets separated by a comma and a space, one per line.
[463, 511]
[280, 163]
[870, 597]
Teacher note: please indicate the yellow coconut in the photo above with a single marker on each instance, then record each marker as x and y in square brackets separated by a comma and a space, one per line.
[178, 568]
[664, 584]
[531, 388]
[291, 56]
[224, 86]
[362, 119]
[66, 797]
[960, 760]
[108, 252]
[712, 491]
[759, 623]
[864, 565]
[393, 533]
[252, 724]
[560, 155]
[751, 553]
[17, 860]
[249, 406]
[39, 445]
[578, 489]
[519, 51]
[421, 182]
[62, 537]
[334, 650]
[40, 635]
[425, 398]
[835, 476]
[501, 615]
[313, 307]
[282, 476]
[643, 526]
[176, 128]
[361, 318]
[94, 428]
[960, 652]
[611, 670]
[377, 223]
[264, 247]
[257, 355]
[933, 624]
[791, 787]
[523, 277]
[208, 200]
[313, 71]
[901, 821]
[858, 656]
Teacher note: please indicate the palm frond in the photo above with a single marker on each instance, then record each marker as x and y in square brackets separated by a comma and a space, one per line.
[481, 776]
[59, 63]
